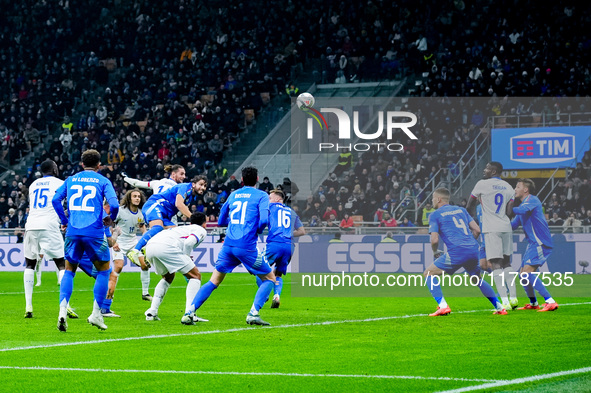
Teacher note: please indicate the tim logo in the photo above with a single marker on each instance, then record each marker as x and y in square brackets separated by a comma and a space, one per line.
[543, 148]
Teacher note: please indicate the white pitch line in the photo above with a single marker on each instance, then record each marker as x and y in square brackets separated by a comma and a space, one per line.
[519, 380]
[100, 370]
[156, 336]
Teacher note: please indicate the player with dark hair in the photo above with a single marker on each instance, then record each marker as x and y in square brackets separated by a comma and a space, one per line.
[496, 198]
[129, 220]
[530, 215]
[246, 214]
[159, 210]
[85, 192]
[42, 232]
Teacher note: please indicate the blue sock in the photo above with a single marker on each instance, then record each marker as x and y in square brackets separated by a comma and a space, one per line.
[278, 285]
[489, 292]
[107, 304]
[101, 286]
[263, 294]
[434, 289]
[67, 286]
[539, 286]
[147, 236]
[531, 294]
[259, 281]
[203, 294]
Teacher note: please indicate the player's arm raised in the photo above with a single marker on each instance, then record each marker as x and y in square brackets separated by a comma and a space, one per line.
[180, 204]
[137, 183]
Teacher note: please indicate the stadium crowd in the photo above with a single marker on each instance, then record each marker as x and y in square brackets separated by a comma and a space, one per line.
[147, 86]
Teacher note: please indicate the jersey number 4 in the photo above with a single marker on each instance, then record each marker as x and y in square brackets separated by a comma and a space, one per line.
[78, 194]
[459, 223]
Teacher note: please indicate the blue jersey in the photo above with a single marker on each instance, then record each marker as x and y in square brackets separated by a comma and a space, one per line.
[246, 214]
[282, 221]
[85, 192]
[530, 215]
[453, 225]
[168, 197]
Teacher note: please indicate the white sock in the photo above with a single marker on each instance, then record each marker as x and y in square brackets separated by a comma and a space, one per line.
[29, 281]
[442, 303]
[63, 309]
[192, 288]
[60, 275]
[96, 309]
[159, 293]
[38, 271]
[500, 284]
[145, 278]
[510, 278]
[551, 300]
[253, 310]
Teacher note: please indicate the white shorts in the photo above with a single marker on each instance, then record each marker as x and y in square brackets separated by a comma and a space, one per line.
[118, 255]
[50, 243]
[168, 259]
[498, 244]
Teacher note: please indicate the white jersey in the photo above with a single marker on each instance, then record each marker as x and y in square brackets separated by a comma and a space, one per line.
[185, 237]
[494, 194]
[129, 222]
[159, 186]
[41, 212]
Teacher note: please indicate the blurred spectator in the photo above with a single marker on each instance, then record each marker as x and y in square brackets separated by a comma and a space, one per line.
[555, 220]
[388, 238]
[427, 210]
[266, 185]
[347, 222]
[572, 224]
[406, 223]
[388, 221]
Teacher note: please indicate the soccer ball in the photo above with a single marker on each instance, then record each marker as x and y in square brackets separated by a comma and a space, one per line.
[305, 100]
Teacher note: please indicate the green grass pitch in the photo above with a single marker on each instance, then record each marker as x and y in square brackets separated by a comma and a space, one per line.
[314, 344]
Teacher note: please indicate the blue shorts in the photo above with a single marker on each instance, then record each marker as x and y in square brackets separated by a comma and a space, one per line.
[158, 210]
[96, 249]
[279, 254]
[535, 255]
[230, 257]
[467, 259]
[87, 266]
